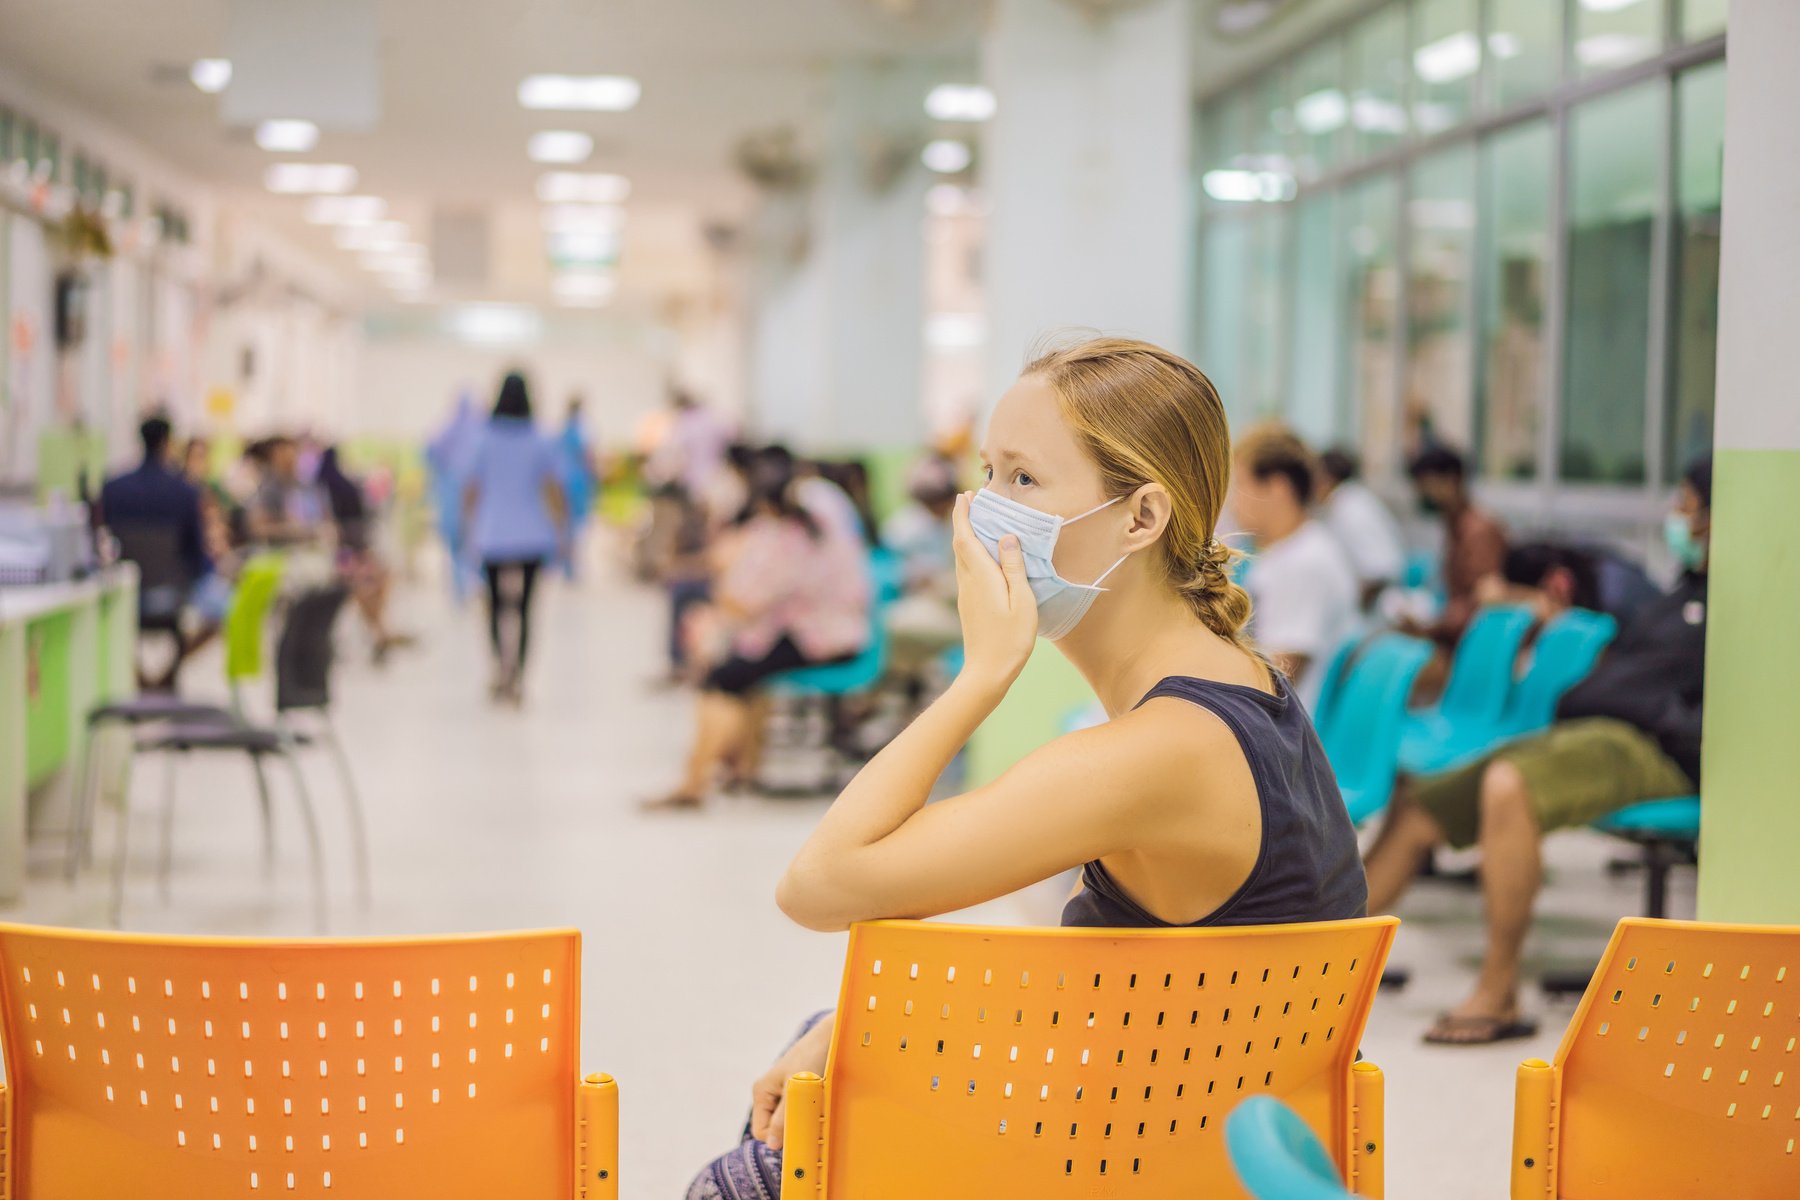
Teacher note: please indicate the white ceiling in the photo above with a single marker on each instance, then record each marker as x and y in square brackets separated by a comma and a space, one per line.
[452, 132]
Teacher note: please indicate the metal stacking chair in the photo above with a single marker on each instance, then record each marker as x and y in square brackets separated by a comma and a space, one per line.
[166, 1068]
[968, 1063]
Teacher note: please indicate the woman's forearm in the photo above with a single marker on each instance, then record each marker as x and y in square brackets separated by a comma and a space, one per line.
[892, 787]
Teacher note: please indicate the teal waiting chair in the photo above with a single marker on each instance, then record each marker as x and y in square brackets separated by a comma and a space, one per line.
[1276, 1156]
[1564, 653]
[1333, 681]
[1669, 833]
[1481, 683]
[1362, 740]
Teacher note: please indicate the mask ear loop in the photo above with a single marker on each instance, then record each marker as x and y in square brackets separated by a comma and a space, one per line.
[1096, 584]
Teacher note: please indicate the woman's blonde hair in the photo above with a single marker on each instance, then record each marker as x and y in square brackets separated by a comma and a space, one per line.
[1145, 415]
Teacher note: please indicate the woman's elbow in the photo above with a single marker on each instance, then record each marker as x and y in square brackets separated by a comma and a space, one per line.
[806, 900]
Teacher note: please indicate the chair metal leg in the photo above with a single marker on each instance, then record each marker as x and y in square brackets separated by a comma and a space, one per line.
[359, 830]
[268, 810]
[81, 808]
[165, 868]
[310, 820]
[119, 857]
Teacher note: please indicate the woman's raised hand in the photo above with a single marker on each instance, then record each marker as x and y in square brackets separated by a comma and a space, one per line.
[999, 613]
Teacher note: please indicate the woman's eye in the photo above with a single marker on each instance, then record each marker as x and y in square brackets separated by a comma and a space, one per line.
[1023, 480]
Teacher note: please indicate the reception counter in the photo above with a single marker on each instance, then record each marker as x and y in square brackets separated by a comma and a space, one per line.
[63, 648]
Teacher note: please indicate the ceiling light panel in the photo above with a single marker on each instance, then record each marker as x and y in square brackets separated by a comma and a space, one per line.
[560, 146]
[310, 178]
[576, 187]
[287, 136]
[211, 75]
[579, 93]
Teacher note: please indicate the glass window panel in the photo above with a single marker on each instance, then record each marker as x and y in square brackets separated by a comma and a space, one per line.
[1438, 394]
[1321, 110]
[1524, 45]
[1313, 406]
[1371, 291]
[1273, 126]
[1703, 18]
[1378, 81]
[1265, 309]
[1224, 265]
[1615, 144]
[1223, 131]
[1610, 34]
[1515, 253]
[1699, 157]
[1446, 60]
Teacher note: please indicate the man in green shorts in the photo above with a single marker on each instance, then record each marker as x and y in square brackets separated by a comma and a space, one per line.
[1629, 732]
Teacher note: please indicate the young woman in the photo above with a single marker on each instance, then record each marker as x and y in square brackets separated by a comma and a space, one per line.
[787, 595]
[1205, 800]
[516, 517]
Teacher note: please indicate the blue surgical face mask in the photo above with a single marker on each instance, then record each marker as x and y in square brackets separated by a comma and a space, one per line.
[1060, 603]
[1688, 550]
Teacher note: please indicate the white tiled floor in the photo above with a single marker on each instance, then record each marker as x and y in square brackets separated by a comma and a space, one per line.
[491, 819]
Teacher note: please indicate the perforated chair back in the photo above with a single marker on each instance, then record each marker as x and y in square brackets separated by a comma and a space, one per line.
[1564, 653]
[304, 655]
[1276, 1155]
[1363, 739]
[1481, 674]
[258, 587]
[1679, 1076]
[164, 579]
[974, 1062]
[173, 1068]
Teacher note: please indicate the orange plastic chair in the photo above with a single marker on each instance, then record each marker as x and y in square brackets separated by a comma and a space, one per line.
[969, 1063]
[1673, 1080]
[169, 1068]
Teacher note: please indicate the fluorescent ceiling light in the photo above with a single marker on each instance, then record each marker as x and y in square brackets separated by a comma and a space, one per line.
[580, 93]
[955, 330]
[959, 102]
[1448, 59]
[1607, 6]
[493, 324]
[1239, 186]
[1612, 49]
[384, 235]
[345, 210]
[1374, 115]
[303, 178]
[211, 75]
[1504, 45]
[559, 146]
[585, 285]
[581, 218]
[576, 187]
[947, 156]
[287, 136]
[1321, 112]
[585, 246]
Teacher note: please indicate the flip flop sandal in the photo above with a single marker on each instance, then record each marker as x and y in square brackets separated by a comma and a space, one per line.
[1478, 1031]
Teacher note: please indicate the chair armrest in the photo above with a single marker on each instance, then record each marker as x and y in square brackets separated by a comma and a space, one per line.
[1534, 1137]
[1368, 1123]
[803, 1155]
[597, 1138]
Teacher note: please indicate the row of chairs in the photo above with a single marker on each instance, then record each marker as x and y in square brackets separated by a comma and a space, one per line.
[176, 726]
[1372, 737]
[965, 1063]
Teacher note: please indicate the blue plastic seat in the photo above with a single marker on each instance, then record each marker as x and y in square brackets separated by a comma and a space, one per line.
[1480, 685]
[1333, 681]
[1276, 1156]
[1363, 738]
[1564, 654]
[1674, 819]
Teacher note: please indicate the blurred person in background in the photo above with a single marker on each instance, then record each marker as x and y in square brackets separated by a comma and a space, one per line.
[282, 512]
[1474, 542]
[580, 477]
[787, 594]
[515, 516]
[1628, 733]
[1552, 577]
[216, 504]
[922, 624]
[447, 457]
[1303, 589]
[1361, 522]
[819, 487]
[155, 497]
[361, 568]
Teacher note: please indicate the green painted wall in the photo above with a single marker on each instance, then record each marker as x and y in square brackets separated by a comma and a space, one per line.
[1034, 711]
[1750, 812]
[47, 696]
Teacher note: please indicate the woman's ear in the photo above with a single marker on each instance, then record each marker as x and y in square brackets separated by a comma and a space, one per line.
[1148, 510]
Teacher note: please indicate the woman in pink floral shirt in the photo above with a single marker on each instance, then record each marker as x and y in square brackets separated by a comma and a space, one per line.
[790, 594]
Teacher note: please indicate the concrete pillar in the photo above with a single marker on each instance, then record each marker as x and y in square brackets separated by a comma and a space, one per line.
[1086, 165]
[1750, 824]
[838, 282]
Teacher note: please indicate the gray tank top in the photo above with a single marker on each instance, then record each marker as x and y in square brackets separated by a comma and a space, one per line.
[1307, 868]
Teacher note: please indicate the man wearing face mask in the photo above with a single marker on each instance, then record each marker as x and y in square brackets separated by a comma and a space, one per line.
[1629, 732]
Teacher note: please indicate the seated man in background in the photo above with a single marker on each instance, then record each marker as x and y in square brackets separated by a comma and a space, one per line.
[1552, 577]
[1474, 540]
[155, 499]
[1630, 732]
[1300, 581]
[1364, 527]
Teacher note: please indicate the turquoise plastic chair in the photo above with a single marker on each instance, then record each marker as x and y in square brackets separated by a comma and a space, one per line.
[1276, 1156]
[1668, 830]
[1421, 574]
[1481, 684]
[866, 670]
[1565, 652]
[1332, 681]
[1363, 739]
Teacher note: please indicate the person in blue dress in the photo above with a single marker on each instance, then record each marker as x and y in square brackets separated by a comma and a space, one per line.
[579, 477]
[515, 518]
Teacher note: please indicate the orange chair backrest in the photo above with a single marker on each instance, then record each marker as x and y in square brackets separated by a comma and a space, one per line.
[173, 1068]
[1680, 1074]
[979, 1062]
